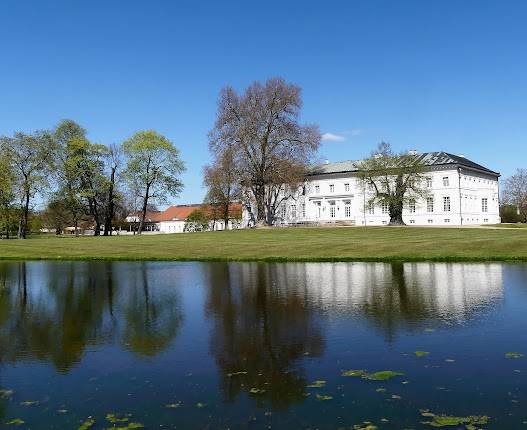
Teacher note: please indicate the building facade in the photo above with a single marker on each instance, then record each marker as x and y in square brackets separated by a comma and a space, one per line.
[459, 192]
[174, 219]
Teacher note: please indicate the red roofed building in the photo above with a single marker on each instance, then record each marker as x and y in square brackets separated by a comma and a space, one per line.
[173, 218]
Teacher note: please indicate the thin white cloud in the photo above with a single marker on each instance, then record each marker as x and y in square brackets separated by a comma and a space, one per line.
[331, 137]
[356, 131]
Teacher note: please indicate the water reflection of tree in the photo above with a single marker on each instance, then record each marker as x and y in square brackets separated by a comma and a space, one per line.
[59, 311]
[262, 331]
[152, 317]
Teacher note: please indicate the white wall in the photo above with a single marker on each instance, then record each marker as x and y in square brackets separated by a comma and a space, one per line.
[324, 192]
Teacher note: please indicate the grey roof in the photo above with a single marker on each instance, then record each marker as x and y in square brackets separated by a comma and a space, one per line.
[427, 158]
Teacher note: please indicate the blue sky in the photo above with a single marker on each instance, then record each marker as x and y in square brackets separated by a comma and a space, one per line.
[429, 75]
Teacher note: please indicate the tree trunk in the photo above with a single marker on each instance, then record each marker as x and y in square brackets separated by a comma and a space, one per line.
[396, 213]
[111, 206]
[143, 212]
[25, 219]
[260, 206]
[226, 217]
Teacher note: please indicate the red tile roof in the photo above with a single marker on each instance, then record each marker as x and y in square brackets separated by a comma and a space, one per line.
[181, 213]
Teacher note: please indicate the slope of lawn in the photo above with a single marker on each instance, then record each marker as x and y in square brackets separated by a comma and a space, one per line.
[285, 244]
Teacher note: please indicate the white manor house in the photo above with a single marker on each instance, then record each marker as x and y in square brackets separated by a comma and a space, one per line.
[460, 192]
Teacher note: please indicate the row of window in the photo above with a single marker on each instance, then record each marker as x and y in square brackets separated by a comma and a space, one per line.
[385, 209]
[446, 183]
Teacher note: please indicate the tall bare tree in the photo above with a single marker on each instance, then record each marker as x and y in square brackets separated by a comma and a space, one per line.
[223, 186]
[394, 179]
[32, 158]
[270, 148]
[515, 192]
[153, 168]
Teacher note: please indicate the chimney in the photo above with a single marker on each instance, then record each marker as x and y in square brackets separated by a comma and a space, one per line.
[412, 152]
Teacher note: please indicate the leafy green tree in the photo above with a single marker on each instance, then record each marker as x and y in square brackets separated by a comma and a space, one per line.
[153, 169]
[57, 215]
[198, 220]
[393, 179]
[7, 192]
[67, 172]
[85, 160]
[32, 158]
[510, 214]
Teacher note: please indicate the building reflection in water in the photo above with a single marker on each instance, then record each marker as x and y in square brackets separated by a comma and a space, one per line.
[268, 317]
[265, 318]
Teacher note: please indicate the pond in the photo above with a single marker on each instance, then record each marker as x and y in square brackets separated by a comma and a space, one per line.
[253, 345]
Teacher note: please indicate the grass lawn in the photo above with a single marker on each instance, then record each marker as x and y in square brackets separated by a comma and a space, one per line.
[285, 244]
[507, 225]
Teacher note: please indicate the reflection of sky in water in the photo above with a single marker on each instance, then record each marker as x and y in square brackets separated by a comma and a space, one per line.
[92, 338]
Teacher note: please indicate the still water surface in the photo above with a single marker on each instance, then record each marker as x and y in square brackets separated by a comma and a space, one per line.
[240, 345]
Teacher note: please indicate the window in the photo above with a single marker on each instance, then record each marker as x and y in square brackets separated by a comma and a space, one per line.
[293, 211]
[430, 204]
[411, 206]
[317, 189]
[447, 220]
[412, 221]
[347, 211]
[283, 209]
[384, 207]
[446, 182]
[385, 222]
[371, 208]
[446, 204]
[332, 211]
[346, 187]
[430, 221]
[428, 182]
[331, 188]
[484, 205]
[303, 209]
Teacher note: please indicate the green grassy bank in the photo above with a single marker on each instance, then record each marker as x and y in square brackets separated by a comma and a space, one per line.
[292, 244]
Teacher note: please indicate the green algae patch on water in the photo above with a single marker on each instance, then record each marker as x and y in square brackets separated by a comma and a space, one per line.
[15, 422]
[353, 372]
[470, 422]
[365, 426]
[130, 426]
[87, 424]
[420, 354]
[324, 397]
[317, 384]
[113, 418]
[383, 375]
[514, 355]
